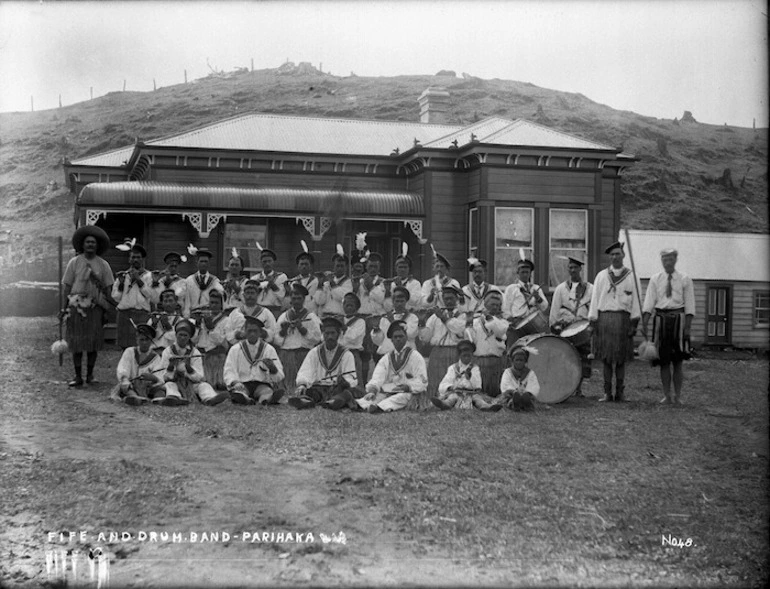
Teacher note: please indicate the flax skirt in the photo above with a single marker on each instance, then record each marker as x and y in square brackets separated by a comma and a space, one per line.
[612, 344]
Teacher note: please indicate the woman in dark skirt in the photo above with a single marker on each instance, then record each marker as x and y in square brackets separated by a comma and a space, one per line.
[87, 282]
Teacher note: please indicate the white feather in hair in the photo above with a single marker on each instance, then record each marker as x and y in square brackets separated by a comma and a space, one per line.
[191, 249]
[521, 254]
[340, 251]
[404, 249]
[473, 261]
[59, 347]
[361, 241]
[126, 245]
[183, 258]
[259, 247]
[235, 252]
[304, 245]
[433, 249]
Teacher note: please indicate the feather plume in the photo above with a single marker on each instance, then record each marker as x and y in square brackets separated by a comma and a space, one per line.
[259, 247]
[404, 249]
[531, 350]
[365, 257]
[433, 249]
[521, 254]
[473, 261]
[360, 241]
[191, 249]
[184, 258]
[126, 245]
[304, 245]
[235, 252]
[340, 251]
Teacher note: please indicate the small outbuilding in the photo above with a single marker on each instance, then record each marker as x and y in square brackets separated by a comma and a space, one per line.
[731, 276]
[489, 189]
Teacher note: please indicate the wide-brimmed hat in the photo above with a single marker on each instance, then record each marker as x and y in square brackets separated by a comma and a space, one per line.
[102, 239]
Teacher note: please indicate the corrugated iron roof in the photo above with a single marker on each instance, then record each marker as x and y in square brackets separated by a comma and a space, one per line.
[703, 255]
[267, 199]
[111, 159]
[270, 132]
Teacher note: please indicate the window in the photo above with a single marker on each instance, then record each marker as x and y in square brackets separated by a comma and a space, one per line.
[514, 230]
[473, 233]
[569, 238]
[761, 309]
[244, 237]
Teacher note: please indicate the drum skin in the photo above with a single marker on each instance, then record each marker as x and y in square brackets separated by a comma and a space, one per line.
[534, 323]
[577, 333]
[556, 365]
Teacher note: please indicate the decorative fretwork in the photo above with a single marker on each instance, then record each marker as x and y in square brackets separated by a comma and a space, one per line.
[416, 226]
[326, 224]
[309, 224]
[196, 220]
[92, 216]
[212, 220]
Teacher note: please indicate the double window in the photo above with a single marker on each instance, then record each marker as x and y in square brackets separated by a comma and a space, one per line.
[244, 237]
[761, 309]
[514, 238]
[568, 238]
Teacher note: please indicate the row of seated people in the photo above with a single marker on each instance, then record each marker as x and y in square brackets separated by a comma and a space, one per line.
[328, 375]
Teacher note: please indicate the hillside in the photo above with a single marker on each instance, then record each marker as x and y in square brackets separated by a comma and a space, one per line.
[691, 176]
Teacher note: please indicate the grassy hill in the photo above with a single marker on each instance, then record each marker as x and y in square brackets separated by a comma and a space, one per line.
[691, 176]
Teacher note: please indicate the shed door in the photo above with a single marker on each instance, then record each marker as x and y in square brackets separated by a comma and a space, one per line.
[718, 315]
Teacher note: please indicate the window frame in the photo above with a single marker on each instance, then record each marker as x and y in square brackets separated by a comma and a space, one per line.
[756, 323]
[227, 248]
[586, 265]
[531, 247]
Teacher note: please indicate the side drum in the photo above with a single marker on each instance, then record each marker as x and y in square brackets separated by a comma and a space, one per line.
[577, 333]
[534, 323]
[556, 365]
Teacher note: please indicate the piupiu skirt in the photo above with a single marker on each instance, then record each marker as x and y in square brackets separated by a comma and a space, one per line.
[668, 335]
[492, 368]
[214, 366]
[612, 343]
[85, 333]
[291, 360]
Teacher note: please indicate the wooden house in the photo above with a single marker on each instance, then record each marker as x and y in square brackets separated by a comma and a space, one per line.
[488, 189]
[731, 275]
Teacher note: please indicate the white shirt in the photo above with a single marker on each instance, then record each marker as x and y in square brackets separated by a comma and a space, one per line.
[565, 300]
[474, 296]
[314, 369]
[408, 367]
[620, 298]
[433, 286]
[438, 333]
[134, 296]
[457, 377]
[222, 334]
[195, 296]
[130, 367]
[518, 305]
[489, 336]
[380, 339]
[238, 319]
[268, 297]
[352, 336]
[528, 384]
[310, 282]
[294, 340]
[329, 298]
[179, 370]
[682, 293]
[244, 363]
[415, 294]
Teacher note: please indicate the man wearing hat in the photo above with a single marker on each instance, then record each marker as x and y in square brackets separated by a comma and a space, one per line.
[216, 334]
[398, 375]
[519, 385]
[139, 371]
[169, 278]
[304, 278]
[461, 386]
[432, 294]
[614, 313]
[488, 332]
[523, 296]
[442, 330]
[251, 308]
[86, 282]
[184, 376]
[476, 290]
[298, 331]
[134, 293]
[671, 297]
[570, 303]
[271, 283]
[200, 284]
[253, 369]
[353, 332]
[332, 288]
[404, 279]
[164, 319]
[234, 282]
[328, 373]
[401, 313]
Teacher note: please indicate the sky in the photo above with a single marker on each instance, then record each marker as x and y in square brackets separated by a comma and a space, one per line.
[654, 57]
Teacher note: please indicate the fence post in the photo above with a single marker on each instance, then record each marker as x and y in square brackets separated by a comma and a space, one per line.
[154, 87]
[124, 85]
[252, 65]
[32, 103]
[185, 76]
[92, 92]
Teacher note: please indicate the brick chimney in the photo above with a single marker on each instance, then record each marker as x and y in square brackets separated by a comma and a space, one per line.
[434, 105]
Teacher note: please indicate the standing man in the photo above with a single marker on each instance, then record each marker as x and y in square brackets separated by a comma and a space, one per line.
[432, 295]
[333, 288]
[403, 278]
[169, 278]
[670, 294]
[615, 314]
[488, 332]
[200, 284]
[570, 303]
[298, 331]
[87, 283]
[477, 288]
[233, 284]
[134, 293]
[271, 282]
[304, 278]
[250, 307]
[523, 297]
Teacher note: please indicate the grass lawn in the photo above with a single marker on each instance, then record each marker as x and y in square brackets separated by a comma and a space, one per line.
[581, 494]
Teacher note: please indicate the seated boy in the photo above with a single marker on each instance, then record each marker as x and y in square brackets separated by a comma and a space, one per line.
[461, 386]
[184, 370]
[299, 331]
[215, 336]
[519, 386]
[139, 369]
[397, 376]
[164, 320]
[252, 368]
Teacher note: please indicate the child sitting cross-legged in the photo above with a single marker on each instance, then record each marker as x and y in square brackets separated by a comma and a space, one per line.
[519, 385]
[139, 378]
[461, 386]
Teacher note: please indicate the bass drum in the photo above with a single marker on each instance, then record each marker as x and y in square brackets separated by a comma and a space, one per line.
[556, 365]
